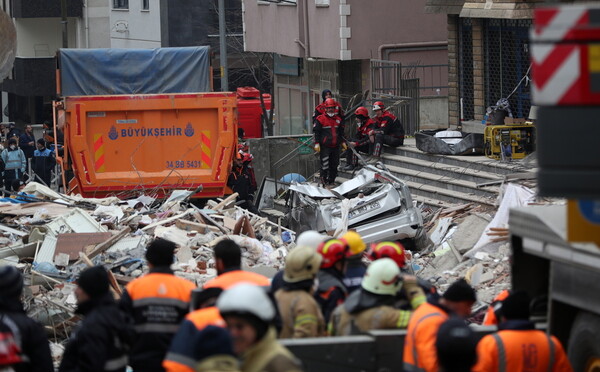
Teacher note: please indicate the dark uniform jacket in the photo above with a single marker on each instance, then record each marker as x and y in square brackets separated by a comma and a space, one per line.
[102, 339]
[34, 343]
[390, 125]
[329, 131]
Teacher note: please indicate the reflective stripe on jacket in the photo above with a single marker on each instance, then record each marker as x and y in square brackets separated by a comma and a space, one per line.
[157, 302]
[181, 355]
[419, 345]
[521, 350]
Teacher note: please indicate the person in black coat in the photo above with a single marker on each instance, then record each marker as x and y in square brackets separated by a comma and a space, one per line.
[35, 351]
[101, 341]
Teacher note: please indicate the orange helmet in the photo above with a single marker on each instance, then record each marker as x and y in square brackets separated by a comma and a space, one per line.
[330, 102]
[393, 250]
[378, 105]
[332, 250]
[361, 111]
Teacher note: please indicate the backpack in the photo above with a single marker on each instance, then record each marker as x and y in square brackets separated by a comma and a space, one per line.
[10, 342]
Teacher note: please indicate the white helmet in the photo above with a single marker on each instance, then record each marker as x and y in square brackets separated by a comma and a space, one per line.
[246, 298]
[302, 263]
[382, 277]
[310, 238]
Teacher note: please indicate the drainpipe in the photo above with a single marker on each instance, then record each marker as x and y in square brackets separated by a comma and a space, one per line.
[87, 24]
[421, 45]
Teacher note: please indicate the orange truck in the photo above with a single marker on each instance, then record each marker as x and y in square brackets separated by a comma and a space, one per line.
[143, 122]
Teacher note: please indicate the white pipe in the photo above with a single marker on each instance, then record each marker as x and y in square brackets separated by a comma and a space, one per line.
[87, 24]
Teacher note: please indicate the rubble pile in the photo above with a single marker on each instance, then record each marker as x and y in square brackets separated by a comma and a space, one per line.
[52, 237]
[471, 241]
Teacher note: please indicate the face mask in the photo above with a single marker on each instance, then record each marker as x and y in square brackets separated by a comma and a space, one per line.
[12, 147]
[331, 114]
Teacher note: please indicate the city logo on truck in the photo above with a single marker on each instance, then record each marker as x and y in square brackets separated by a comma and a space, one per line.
[172, 131]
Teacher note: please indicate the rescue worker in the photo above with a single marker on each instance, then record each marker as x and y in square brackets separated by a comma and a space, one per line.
[32, 351]
[328, 130]
[300, 314]
[320, 109]
[372, 307]
[240, 181]
[419, 345]
[215, 351]
[355, 267]
[249, 314]
[157, 302]
[308, 238]
[183, 352]
[388, 130]
[361, 140]
[14, 163]
[331, 291]
[102, 339]
[228, 262]
[248, 168]
[456, 346]
[397, 252]
[27, 142]
[43, 162]
[518, 346]
[492, 315]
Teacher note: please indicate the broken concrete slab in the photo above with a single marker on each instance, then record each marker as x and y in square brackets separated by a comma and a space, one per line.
[468, 233]
[73, 243]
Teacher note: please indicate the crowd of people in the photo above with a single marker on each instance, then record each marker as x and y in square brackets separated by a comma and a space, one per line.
[23, 158]
[328, 287]
[371, 134]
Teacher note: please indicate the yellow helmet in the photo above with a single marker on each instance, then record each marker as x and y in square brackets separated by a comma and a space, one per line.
[355, 242]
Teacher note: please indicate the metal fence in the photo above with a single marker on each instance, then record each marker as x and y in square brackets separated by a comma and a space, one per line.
[465, 69]
[506, 50]
[399, 94]
[433, 79]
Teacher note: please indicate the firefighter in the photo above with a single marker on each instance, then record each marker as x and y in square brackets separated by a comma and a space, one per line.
[183, 352]
[456, 346]
[518, 346]
[228, 262]
[240, 181]
[331, 291]
[249, 315]
[355, 268]
[373, 306]
[102, 339]
[328, 129]
[361, 141]
[300, 314]
[419, 346]
[388, 130]
[320, 109]
[215, 351]
[158, 302]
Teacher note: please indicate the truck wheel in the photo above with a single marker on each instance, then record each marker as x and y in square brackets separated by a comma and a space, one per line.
[584, 343]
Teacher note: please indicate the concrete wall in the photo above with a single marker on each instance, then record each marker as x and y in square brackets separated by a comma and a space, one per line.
[135, 28]
[433, 112]
[41, 37]
[98, 23]
[267, 151]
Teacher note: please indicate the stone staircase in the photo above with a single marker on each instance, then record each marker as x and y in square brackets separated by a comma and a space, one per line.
[442, 180]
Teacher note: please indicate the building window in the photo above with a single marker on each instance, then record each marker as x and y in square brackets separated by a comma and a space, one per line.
[121, 4]
[145, 4]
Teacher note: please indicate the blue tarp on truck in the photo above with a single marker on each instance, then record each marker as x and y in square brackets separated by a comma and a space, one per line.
[85, 72]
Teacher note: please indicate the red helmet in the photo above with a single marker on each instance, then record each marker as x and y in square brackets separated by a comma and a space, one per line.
[332, 250]
[361, 111]
[330, 102]
[243, 147]
[247, 157]
[393, 250]
[378, 105]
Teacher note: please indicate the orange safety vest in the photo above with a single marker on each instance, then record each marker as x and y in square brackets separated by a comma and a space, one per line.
[180, 357]
[521, 350]
[230, 278]
[490, 315]
[419, 344]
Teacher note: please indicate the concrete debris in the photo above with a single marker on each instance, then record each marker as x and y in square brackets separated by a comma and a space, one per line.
[51, 248]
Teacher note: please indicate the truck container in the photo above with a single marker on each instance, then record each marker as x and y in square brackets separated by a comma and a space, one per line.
[250, 113]
[144, 121]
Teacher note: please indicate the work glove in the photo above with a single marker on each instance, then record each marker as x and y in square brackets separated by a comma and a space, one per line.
[344, 146]
[317, 147]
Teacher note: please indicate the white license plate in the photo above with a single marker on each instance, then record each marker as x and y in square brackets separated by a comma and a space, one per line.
[363, 209]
